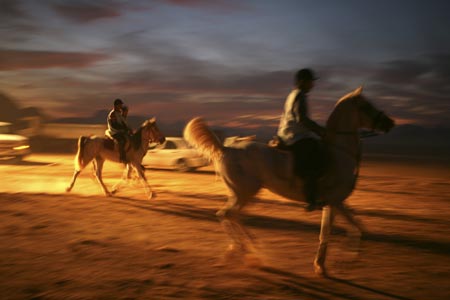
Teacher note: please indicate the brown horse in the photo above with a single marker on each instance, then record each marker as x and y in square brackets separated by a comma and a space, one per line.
[247, 168]
[99, 149]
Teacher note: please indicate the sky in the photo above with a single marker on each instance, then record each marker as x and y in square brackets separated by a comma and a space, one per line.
[230, 61]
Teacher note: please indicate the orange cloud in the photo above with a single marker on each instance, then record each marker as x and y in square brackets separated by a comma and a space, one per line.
[22, 59]
[87, 12]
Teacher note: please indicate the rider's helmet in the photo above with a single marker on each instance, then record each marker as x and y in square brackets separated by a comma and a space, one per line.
[305, 74]
[118, 101]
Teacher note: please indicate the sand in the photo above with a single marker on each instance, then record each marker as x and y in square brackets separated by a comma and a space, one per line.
[83, 245]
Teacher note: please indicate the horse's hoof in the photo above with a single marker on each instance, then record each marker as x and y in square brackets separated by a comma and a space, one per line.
[68, 189]
[113, 192]
[320, 270]
[253, 261]
[151, 196]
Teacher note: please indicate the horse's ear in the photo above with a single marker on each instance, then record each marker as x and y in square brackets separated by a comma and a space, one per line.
[152, 120]
[358, 91]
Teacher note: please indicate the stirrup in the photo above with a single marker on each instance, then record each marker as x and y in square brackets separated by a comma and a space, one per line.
[124, 160]
[310, 207]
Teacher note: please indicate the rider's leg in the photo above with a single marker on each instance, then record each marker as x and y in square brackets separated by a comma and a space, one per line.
[306, 165]
[121, 142]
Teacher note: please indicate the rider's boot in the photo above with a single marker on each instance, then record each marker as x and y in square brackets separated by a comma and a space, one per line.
[311, 194]
[123, 155]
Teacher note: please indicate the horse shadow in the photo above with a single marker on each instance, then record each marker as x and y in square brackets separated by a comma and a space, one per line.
[283, 224]
[24, 163]
[321, 288]
[385, 214]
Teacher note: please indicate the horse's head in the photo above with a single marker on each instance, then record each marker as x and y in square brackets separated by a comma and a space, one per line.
[369, 116]
[354, 111]
[151, 132]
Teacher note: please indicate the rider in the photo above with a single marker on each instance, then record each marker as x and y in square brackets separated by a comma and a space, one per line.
[118, 128]
[302, 135]
[125, 112]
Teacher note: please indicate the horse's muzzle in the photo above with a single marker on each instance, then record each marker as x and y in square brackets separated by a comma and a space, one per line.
[387, 124]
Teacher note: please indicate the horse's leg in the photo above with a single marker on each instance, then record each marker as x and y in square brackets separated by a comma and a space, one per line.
[148, 190]
[84, 156]
[325, 230]
[124, 179]
[98, 174]
[129, 170]
[241, 240]
[76, 172]
[356, 230]
[228, 217]
[74, 178]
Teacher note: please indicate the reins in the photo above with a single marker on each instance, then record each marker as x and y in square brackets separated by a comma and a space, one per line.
[358, 135]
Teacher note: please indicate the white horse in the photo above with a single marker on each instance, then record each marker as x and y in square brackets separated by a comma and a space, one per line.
[99, 149]
[252, 166]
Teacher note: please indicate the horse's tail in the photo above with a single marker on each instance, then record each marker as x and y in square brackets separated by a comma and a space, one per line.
[79, 161]
[198, 134]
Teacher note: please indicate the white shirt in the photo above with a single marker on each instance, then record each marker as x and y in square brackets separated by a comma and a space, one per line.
[292, 126]
[116, 123]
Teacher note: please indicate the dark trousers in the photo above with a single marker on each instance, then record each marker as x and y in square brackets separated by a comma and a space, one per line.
[121, 140]
[309, 164]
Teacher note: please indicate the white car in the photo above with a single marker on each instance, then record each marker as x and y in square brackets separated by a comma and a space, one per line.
[175, 154]
[12, 146]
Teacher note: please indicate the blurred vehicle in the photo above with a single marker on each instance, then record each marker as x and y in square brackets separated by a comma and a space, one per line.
[12, 146]
[175, 154]
[235, 140]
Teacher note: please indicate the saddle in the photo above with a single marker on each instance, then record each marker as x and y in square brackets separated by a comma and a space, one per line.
[305, 164]
[110, 143]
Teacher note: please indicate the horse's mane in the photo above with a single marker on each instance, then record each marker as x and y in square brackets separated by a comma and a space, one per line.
[136, 139]
[341, 103]
[137, 136]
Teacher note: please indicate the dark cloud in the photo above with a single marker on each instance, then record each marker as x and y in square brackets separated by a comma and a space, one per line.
[21, 59]
[428, 74]
[11, 9]
[88, 11]
[416, 89]
[222, 5]
[17, 24]
[401, 71]
[166, 66]
[171, 107]
[266, 85]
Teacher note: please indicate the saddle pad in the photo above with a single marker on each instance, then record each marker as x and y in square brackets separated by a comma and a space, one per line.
[282, 163]
[108, 143]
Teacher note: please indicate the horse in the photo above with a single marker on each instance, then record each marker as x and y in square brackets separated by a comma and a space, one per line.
[248, 167]
[99, 149]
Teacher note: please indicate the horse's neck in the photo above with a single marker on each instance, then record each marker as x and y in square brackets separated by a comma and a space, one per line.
[138, 138]
[342, 134]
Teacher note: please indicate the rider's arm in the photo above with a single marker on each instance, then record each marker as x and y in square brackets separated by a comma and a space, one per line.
[114, 122]
[306, 121]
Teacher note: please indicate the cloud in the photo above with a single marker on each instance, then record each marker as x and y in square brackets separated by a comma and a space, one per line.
[11, 9]
[221, 5]
[88, 11]
[164, 65]
[17, 24]
[417, 89]
[22, 59]
[267, 85]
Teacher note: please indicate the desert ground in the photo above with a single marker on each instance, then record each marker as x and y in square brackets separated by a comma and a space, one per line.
[83, 245]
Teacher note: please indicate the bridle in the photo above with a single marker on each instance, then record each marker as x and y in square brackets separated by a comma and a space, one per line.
[152, 135]
[357, 135]
[378, 117]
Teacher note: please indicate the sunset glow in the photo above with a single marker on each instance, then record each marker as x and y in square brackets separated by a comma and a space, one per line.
[179, 59]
